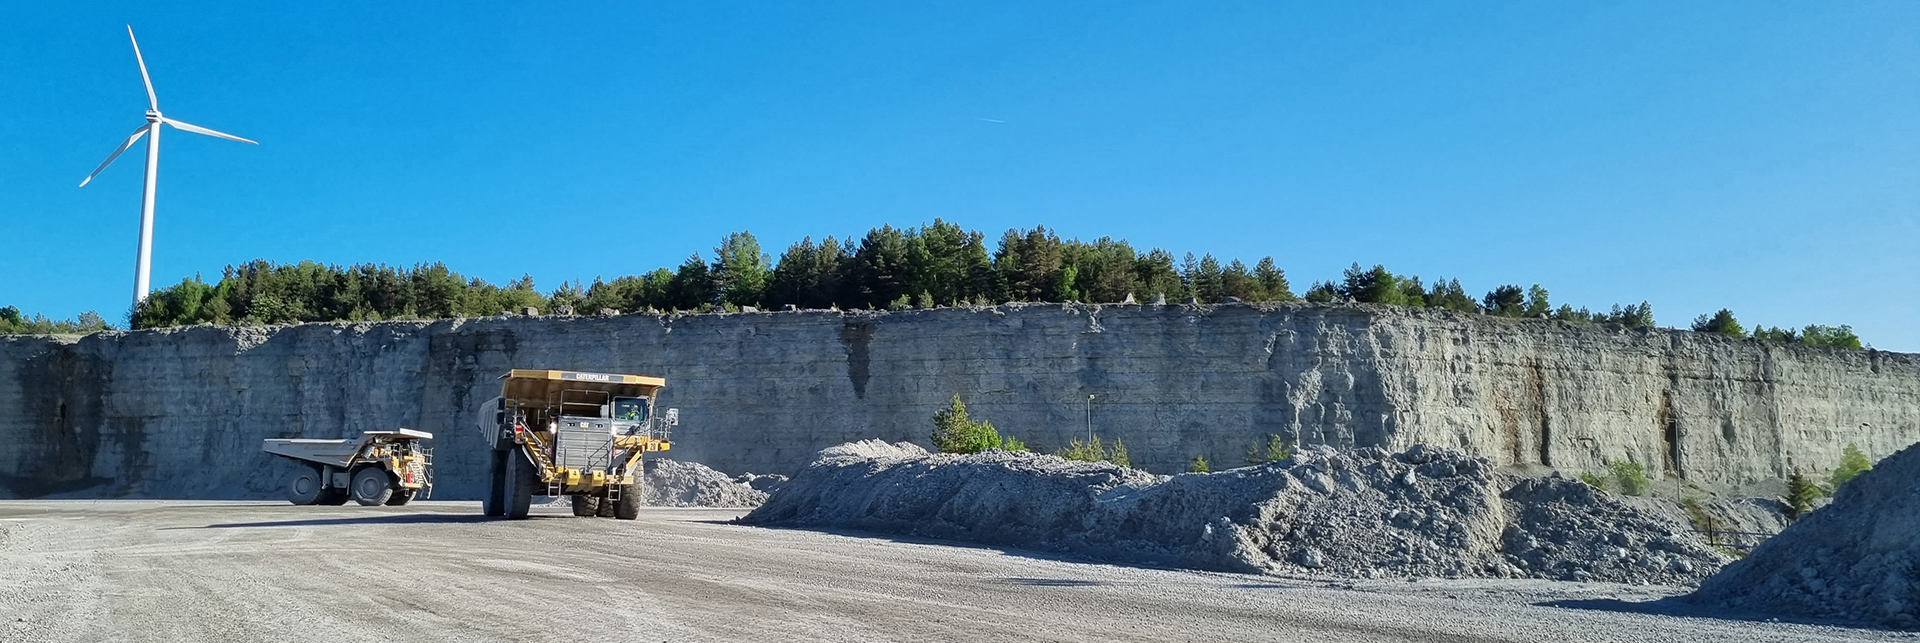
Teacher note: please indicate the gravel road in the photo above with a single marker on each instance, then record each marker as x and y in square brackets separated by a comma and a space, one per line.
[235, 571]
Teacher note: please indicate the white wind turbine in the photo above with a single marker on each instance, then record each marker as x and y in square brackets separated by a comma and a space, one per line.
[154, 119]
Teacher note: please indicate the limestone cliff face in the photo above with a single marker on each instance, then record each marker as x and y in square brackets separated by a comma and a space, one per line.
[180, 413]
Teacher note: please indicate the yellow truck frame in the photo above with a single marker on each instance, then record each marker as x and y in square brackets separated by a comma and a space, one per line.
[572, 433]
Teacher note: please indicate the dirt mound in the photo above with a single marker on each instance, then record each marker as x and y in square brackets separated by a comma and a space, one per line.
[1366, 513]
[671, 483]
[1857, 559]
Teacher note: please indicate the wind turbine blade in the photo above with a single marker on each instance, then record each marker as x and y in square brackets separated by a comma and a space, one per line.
[116, 152]
[202, 130]
[152, 101]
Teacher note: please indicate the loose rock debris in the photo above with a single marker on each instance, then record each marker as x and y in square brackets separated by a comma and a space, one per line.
[671, 483]
[1857, 559]
[1367, 513]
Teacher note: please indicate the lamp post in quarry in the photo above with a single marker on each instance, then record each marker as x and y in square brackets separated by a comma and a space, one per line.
[1089, 418]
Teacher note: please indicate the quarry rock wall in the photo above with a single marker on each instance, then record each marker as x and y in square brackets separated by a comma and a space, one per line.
[180, 413]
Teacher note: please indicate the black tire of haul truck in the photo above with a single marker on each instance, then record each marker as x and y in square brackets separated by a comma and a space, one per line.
[521, 479]
[372, 486]
[494, 503]
[304, 487]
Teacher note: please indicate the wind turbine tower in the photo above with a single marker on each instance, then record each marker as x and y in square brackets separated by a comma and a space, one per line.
[152, 131]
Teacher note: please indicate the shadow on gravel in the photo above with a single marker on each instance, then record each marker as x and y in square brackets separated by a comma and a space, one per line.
[1680, 607]
[398, 519]
[1053, 582]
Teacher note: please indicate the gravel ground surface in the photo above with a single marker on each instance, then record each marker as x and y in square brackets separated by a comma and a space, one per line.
[233, 571]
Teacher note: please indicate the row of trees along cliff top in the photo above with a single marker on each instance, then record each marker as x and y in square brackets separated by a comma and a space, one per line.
[937, 264]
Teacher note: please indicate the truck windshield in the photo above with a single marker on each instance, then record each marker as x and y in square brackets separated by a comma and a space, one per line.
[630, 408]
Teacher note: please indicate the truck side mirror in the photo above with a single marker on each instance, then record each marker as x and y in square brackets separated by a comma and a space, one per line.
[673, 417]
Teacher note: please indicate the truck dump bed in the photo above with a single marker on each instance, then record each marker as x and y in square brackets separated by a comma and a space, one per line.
[338, 453]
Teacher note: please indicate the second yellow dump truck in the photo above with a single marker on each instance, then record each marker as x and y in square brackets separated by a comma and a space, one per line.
[575, 434]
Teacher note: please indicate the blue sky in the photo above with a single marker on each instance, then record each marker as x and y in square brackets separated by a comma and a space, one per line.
[1759, 156]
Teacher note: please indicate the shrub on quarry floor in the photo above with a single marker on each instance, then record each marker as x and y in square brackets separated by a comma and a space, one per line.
[1630, 476]
[953, 432]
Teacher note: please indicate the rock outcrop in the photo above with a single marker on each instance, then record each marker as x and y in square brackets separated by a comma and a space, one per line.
[180, 412]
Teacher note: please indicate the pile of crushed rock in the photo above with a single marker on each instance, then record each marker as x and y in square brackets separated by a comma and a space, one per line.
[1857, 559]
[671, 483]
[1367, 513]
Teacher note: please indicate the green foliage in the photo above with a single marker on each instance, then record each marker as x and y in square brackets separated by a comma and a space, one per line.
[953, 432]
[1696, 512]
[1505, 301]
[1270, 282]
[1118, 454]
[1838, 337]
[1322, 292]
[1801, 494]
[1630, 476]
[1640, 316]
[1537, 303]
[1275, 449]
[1199, 465]
[1595, 480]
[1378, 285]
[1852, 463]
[1011, 443]
[1813, 335]
[936, 264]
[1449, 295]
[1089, 451]
[1721, 322]
[12, 322]
[739, 270]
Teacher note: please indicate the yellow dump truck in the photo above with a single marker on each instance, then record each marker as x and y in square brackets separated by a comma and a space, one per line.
[575, 434]
[379, 468]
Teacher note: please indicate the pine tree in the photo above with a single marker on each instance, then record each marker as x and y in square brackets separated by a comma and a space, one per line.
[1721, 323]
[1271, 281]
[1154, 274]
[1537, 302]
[739, 270]
[1506, 301]
[1236, 281]
[880, 268]
[1853, 462]
[692, 285]
[1801, 494]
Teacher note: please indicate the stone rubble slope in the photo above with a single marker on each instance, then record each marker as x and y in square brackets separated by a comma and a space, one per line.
[671, 483]
[1423, 512]
[1857, 559]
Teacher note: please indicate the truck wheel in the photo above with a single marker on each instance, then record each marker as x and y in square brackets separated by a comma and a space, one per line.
[494, 503]
[606, 506]
[304, 488]
[401, 497]
[372, 486]
[629, 505]
[585, 506]
[521, 478]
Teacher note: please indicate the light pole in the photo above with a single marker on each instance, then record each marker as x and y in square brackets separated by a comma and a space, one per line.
[1089, 418]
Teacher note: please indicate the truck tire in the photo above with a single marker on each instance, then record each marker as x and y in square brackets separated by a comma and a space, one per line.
[521, 479]
[306, 485]
[585, 506]
[628, 507]
[605, 505]
[372, 486]
[401, 497]
[494, 503]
